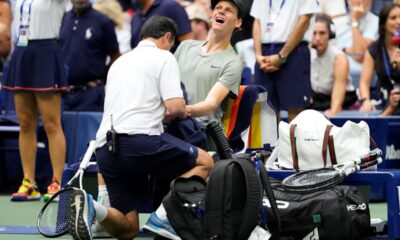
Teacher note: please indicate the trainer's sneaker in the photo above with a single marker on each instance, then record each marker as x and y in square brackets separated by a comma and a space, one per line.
[161, 227]
[52, 189]
[82, 215]
[26, 192]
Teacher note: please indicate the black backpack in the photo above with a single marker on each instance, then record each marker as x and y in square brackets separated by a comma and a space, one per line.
[227, 207]
[233, 200]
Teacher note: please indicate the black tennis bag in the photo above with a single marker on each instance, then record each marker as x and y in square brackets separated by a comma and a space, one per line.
[227, 208]
[339, 212]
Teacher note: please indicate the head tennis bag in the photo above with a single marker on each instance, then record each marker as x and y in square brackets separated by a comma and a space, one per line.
[339, 212]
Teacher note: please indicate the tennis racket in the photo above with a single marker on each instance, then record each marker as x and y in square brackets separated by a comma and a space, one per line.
[54, 216]
[318, 179]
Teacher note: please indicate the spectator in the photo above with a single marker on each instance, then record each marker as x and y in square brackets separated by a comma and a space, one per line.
[87, 38]
[330, 79]
[36, 76]
[211, 70]
[355, 31]
[333, 8]
[199, 20]
[113, 10]
[168, 8]
[138, 108]
[383, 57]
[5, 44]
[205, 4]
[278, 30]
[5, 12]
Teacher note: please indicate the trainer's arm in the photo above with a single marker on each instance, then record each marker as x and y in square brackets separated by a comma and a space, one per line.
[214, 98]
[175, 109]
[340, 73]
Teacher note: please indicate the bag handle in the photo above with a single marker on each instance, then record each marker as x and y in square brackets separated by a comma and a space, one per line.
[328, 143]
[295, 156]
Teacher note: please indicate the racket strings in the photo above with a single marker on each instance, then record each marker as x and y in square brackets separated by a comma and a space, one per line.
[56, 216]
[311, 178]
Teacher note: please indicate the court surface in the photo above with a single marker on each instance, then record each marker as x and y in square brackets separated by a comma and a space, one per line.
[20, 218]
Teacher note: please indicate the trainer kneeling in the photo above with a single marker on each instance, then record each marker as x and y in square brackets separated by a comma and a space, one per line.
[142, 92]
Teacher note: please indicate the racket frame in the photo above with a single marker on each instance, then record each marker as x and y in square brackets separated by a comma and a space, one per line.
[342, 170]
[67, 187]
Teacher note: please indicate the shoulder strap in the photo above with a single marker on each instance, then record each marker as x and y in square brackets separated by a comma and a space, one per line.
[326, 143]
[253, 203]
[267, 187]
[295, 157]
[214, 202]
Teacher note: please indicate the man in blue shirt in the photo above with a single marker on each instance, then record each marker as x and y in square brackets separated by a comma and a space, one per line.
[168, 8]
[87, 38]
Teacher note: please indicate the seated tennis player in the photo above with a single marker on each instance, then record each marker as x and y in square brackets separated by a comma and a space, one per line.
[143, 91]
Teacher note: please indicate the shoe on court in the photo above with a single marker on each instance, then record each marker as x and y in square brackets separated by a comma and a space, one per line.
[26, 192]
[52, 189]
[161, 227]
[82, 215]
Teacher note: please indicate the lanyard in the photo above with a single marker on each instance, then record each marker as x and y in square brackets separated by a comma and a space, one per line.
[273, 20]
[387, 65]
[21, 10]
[280, 8]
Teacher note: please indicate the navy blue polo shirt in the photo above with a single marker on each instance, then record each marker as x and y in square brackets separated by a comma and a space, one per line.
[167, 8]
[86, 40]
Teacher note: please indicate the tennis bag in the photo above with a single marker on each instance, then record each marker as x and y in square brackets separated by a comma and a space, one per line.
[339, 212]
[227, 207]
[311, 141]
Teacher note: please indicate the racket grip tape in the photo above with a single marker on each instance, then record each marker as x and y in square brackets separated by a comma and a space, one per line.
[372, 155]
[370, 163]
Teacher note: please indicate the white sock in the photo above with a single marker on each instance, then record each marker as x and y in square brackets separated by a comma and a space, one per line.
[101, 211]
[102, 188]
[103, 197]
[160, 212]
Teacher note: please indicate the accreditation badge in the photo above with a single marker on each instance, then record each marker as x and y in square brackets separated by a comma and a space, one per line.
[23, 36]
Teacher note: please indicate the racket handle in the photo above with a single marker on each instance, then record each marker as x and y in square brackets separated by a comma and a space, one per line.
[372, 155]
[88, 155]
[369, 164]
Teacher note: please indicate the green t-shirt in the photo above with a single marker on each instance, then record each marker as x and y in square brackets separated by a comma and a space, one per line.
[200, 72]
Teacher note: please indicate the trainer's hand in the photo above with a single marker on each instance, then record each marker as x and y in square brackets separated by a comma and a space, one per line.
[168, 118]
[188, 111]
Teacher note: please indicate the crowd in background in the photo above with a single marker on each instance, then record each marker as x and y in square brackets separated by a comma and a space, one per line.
[330, 55]
[354, 25]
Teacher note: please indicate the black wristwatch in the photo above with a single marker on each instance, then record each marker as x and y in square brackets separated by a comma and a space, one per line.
[282, 58]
